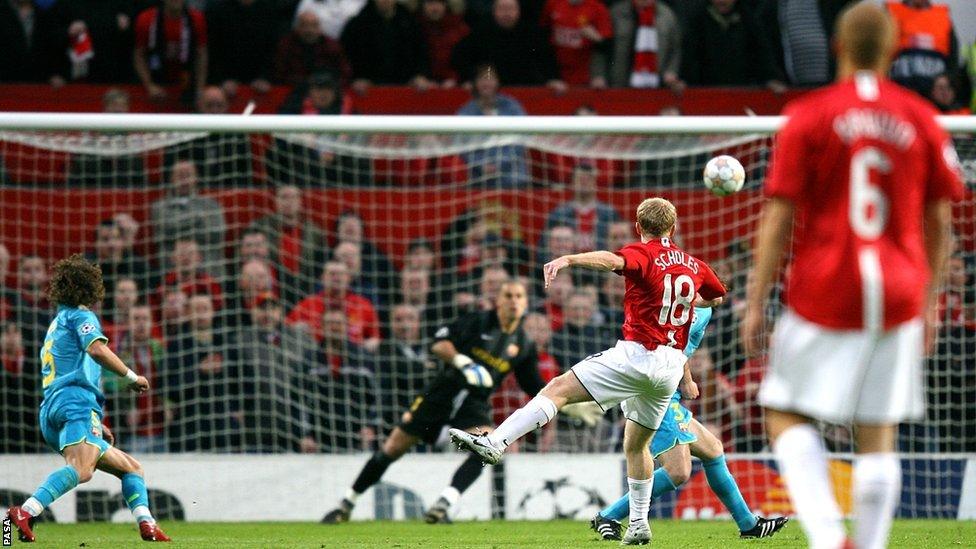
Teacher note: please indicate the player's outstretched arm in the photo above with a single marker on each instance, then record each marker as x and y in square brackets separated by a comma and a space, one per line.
[777, 219]
[107, 359]
[601, 260]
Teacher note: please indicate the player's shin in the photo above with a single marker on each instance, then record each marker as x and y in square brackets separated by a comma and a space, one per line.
[877, 486]
[724, 486]
[54, 486]
[136, 497]
[640, 497]
[536, 413]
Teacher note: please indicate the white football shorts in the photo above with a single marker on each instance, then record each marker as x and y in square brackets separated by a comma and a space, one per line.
[640, 380]
[845, 376]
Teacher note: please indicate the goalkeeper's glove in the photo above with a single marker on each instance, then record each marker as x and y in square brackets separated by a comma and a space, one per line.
[587, 412]
[474, 374]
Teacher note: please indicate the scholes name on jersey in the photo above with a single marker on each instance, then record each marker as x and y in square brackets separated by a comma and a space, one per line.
[676, 257]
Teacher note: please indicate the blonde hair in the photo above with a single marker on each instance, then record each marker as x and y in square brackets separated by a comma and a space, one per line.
[866, 35]
[656, 216]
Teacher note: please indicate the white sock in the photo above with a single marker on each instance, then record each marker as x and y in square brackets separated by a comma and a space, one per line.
[536, 413]
[803, 465]
[640, 497]
[451, 495]
[142, 514]
[352, 495]
[877, 487]
[33, 507]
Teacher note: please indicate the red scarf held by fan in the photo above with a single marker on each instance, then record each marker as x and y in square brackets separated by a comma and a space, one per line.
[644, 73]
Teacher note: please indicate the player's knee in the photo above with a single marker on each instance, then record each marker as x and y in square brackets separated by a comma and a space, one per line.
[133, 466]
[84, 474]
[679, 474]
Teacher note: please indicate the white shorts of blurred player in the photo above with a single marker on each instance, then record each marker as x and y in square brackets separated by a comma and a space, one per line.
[639, 379]
[845, 376]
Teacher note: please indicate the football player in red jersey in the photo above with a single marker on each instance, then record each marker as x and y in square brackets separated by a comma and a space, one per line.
[868, 175]
[643, 370]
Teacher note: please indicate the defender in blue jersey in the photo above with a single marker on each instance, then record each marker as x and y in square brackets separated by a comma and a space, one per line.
[72, 358]
[679, 437]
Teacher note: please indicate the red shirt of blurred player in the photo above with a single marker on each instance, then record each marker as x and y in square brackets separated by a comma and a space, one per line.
[174, 46]
[573, 26]
[860, 160]
[662, 281]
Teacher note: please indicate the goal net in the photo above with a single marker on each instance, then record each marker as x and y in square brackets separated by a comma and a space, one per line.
[281, 290]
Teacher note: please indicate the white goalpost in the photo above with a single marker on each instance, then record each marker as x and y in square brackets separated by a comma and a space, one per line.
[279, 278]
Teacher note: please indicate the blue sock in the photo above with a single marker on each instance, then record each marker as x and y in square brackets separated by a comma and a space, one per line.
[619, 509]
[136, 497]
[56, 485]
[723, 485]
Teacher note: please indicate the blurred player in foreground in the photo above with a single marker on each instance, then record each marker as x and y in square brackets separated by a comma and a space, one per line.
[479, 350]
[868, 175]
[680, 437]
[75, 351]
[643, 370]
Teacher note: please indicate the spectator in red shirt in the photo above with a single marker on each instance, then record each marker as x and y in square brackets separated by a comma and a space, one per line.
[577, 31]
[585, 213]
[306, 51]
[188, 274]
[363, 324]
[171, 48]
[442, 30]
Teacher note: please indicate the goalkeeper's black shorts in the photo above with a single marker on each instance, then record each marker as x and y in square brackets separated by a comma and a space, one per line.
[445, 402]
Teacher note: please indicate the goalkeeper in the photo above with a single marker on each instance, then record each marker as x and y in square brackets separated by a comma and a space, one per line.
[478, 349]
[680, 437]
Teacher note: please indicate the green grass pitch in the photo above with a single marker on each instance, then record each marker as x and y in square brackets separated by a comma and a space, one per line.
[667, 533]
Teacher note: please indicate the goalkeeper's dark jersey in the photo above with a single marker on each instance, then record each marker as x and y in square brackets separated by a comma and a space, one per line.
[480, 336]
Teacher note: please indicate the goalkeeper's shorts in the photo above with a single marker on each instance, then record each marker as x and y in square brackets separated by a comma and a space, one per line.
[674, 429]
[444, 403]
[72, 418]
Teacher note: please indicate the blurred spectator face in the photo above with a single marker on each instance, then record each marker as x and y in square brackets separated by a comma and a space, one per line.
[670, 110]
[491, 281]
[140, 323]
[434, 10]
[322, 97]
[723, 6]
[560, 288]
[256, 277]
[32, 273]
[465, 302]
[307, 27]
[174, 307]
[115, 101]
[562, 241]
[335, 278]
[351, 255]
[942, 93]
[405, 323]
[414, 286]
[584, 184]
[586, 110]
[613, 290]
[125, 294]
[506, 13]
[254, 245]
[538, 328]
[619, 234]
[186, 256]
[201, 311]
[4, 264]
[288, 201]
[957, 273]
[334, 327]
[579, 309]
[495, 253]
[511, 300]
[349, 229]
[267, 316]
[129, 227]
[212, 101]
[108, 242]
[486, 84]
[184, 178]
[11, 341]
[419, 256]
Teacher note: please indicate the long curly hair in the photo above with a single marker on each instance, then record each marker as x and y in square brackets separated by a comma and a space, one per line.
[76, 281]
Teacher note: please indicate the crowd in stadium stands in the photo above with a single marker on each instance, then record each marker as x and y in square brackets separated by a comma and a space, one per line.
[187, 45]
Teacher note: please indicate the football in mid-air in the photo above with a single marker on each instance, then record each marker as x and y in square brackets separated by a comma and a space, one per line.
[724, 175]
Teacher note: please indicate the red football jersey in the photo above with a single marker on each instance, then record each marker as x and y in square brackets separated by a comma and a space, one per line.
[565, 21]
[859, 160]
[661, 285]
